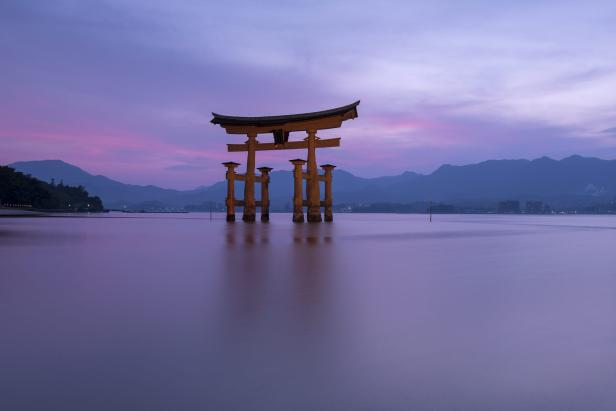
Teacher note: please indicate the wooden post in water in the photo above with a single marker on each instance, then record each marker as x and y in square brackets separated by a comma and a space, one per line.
[430, 210]
[230, 201]
[312, 183]
[265, 193]
[328, 214]
[298, 175]
[250, 206]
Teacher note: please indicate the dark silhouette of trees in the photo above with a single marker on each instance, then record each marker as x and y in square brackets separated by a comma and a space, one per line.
[21, 189]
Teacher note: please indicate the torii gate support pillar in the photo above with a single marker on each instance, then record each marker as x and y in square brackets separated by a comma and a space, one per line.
[265, 203]
[328, 214]
[230, 200]
[298, 201]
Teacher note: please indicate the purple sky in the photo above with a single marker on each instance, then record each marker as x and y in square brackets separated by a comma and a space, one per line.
[125, 88]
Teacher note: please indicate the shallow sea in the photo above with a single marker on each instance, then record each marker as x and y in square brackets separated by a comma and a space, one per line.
[372, 312]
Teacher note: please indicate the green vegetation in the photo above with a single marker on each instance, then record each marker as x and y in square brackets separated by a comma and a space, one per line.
[25, 191]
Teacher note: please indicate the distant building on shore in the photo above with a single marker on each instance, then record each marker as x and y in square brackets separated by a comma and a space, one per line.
[534, 207]
[508, 207]
[537, 207]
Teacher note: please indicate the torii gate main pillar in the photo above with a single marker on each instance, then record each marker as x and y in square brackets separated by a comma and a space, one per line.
[250, 206]
[312, 183]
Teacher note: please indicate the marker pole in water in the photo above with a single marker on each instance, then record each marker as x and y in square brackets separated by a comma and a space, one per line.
[430, 210]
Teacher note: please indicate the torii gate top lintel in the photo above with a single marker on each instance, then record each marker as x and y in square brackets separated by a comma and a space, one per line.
[317, 120]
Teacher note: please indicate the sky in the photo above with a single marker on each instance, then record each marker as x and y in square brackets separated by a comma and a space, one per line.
[126, 88]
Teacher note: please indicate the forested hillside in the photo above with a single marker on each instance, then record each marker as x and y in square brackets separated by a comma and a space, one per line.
[18, 189]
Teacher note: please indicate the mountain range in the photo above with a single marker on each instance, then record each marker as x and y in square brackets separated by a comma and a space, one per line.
[570, 182]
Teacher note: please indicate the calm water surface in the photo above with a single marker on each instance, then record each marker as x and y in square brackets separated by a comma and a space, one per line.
[372, 312]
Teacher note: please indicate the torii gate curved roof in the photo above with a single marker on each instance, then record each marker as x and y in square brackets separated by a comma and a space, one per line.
[331, 118]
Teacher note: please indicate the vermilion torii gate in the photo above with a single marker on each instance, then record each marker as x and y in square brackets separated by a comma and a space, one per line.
[280, 127]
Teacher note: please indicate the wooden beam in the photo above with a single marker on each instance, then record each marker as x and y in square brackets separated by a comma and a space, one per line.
[291, 145]
[320, 124]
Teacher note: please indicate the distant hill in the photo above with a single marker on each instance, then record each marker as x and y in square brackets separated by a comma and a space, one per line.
[572, 181]
[113, 193]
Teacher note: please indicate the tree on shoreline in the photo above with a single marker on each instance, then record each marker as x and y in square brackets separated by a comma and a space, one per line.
[22, 189]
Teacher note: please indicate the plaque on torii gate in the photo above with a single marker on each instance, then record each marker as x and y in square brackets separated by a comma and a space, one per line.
[280, 127]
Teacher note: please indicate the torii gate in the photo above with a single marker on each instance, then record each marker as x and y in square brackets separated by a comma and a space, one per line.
[280, 127]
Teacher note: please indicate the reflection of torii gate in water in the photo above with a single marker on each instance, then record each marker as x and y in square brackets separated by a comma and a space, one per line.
[280, 127]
